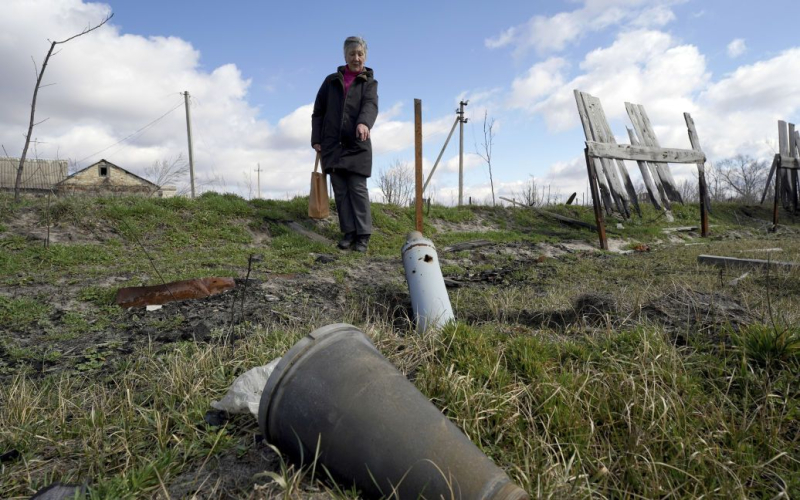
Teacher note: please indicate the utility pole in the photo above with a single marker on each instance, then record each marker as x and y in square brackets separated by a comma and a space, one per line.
[189, 134]
[461, 121]
[418, 161]
[259, 180]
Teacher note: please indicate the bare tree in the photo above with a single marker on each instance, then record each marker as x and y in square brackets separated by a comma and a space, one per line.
[485, 151]
[714, 184]
[743, 176]
[531, 193]
[40, 74]
[689, 191]
[169, 172]
[397, 183]
[248, 183]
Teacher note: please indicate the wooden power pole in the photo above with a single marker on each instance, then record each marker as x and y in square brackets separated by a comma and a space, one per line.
[189, 134]
[461, 121]
[418, 161]
[258, 172]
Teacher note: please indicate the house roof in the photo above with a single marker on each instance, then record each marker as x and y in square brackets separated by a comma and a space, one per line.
[113, 165]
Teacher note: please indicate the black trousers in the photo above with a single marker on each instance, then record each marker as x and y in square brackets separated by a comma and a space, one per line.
[352, 202]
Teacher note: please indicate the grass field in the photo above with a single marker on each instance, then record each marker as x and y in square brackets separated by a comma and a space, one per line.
[583, 374]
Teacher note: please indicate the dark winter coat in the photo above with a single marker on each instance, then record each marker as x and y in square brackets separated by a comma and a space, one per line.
[334, 121]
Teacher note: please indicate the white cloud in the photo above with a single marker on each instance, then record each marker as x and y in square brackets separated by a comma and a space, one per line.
[655, 17]
[739, 113]
[736, 48]
[471, 161]
[540, 80]
[641, 66]
[556, 32]
[502, 39]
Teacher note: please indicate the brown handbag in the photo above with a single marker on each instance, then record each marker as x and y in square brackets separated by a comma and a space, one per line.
[318, 205]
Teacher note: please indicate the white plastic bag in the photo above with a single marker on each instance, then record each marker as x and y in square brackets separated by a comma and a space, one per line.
[245, 393]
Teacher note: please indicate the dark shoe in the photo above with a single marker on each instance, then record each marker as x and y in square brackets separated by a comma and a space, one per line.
[362, 243]
[347, 241]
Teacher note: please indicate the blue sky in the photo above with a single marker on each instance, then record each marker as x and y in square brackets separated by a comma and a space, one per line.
[254, 68]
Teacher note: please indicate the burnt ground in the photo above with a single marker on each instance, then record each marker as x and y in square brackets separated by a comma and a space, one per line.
[324, 295]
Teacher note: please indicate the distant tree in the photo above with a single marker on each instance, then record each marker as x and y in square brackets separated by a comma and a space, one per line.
[743, 177]
[40, 74]
[689, 191]
[530, 194]
[397, 183]
[168, 171]
[485, 150]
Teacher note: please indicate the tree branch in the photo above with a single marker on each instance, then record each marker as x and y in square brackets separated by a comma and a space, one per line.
[87, 30]
[31, 122]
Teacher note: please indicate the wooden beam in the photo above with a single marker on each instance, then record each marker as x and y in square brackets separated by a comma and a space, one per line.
[605, 191]
[597, 119]
[774, 166]
[790, 162]
[641, 123]
[623, 171]
[637, 153]
[722, 261]
[785, 150]
[652, 190]
[777, 201]
[598, 213]
[558, 217]
[705, 202]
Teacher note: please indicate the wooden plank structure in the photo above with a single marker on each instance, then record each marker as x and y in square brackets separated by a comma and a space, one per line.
[37, 175]
[643, 130]
[785, 166]
[607, 172]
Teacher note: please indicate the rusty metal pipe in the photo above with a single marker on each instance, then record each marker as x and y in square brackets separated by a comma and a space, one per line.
[334, 394]
[139, 296]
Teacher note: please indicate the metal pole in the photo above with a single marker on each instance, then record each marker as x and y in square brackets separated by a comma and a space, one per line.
[418, 160]
[189, 135]
[430, 175]
[462, 121]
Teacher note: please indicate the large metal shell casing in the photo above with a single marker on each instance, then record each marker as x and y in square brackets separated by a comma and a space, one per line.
[429, 297]
[334, 399]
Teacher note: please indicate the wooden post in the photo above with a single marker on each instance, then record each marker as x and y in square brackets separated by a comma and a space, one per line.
[783, 147]
[418, 160]
[772, 169]
[598, 211]
[777, 195]
[694, 139]
[703, 204]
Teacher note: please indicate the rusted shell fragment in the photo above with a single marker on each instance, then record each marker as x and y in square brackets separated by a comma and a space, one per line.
[138, 296]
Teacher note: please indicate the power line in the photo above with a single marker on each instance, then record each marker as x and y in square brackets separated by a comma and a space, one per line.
[133, 134]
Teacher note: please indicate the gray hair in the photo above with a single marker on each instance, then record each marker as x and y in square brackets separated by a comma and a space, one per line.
[355, 40]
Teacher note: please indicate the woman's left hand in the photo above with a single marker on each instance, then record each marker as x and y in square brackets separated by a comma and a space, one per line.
[362, 132]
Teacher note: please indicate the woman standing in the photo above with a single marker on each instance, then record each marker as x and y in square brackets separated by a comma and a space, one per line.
[344, 113]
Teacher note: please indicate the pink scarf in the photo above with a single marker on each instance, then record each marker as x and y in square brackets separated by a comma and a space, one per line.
[349, 77]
